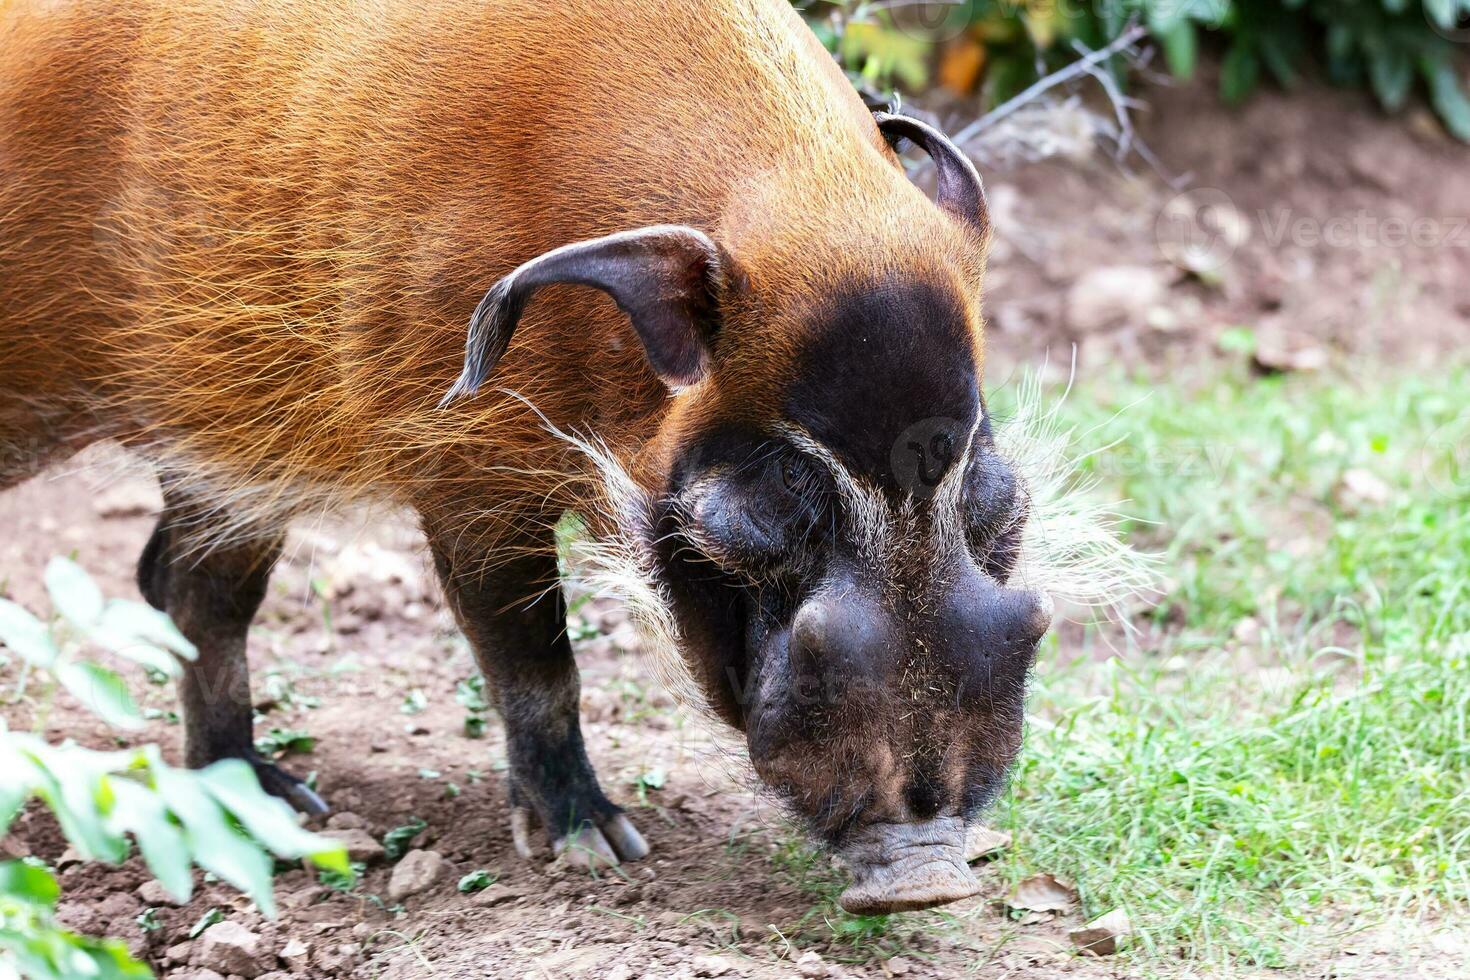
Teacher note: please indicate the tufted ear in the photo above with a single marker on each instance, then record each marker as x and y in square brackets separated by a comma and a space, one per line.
[960, 191]
[666, 278]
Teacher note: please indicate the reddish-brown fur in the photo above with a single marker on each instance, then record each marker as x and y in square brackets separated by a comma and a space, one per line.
[245, 237]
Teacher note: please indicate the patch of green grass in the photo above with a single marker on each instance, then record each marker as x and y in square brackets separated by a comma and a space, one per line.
[1281, 753]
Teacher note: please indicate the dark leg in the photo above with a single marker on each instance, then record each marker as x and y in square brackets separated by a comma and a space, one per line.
[212, 592]
[515, 619]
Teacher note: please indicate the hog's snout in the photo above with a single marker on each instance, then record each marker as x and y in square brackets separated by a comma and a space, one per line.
[900, 867]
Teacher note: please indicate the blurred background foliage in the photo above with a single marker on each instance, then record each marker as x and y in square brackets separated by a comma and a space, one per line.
[1399, 50]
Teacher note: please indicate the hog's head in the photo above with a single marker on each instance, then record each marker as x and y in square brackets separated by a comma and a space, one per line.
[823, 527]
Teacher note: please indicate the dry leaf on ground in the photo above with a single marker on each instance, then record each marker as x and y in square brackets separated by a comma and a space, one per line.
[981, 841]
[1100, 936]
[1043, 893]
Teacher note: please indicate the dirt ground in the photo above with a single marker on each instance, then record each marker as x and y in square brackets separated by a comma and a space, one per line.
[354, 626]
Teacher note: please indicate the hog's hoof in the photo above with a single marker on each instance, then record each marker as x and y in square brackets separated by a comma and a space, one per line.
[591, 846]
[278, 782]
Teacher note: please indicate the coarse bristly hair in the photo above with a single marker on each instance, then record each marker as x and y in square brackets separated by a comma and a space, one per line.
[1073, 547]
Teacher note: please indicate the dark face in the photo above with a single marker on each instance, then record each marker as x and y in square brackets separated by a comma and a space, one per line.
[839, 570]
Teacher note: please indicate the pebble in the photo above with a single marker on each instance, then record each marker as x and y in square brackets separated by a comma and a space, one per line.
[712, 966]
[1119, 295]
[153, 893]
[296, 955]
[346, 820]
[496, 894]
[231, 948]
[416, 872]
[811, 965]
[360, 845]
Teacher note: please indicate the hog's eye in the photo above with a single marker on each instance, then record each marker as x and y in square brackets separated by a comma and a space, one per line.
[798, 476]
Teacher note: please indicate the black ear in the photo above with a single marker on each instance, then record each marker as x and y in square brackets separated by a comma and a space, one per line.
[665, 278]
[960, 191]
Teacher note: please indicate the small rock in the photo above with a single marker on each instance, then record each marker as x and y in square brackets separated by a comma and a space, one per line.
[1280, 351]
[1100, 936]
[599, 705]
[296, 955]
[360, 845]
[416, 872]
[178, 953]
[346, 820]
[196, 975]
[337, 962]
[898, 966]
[496, 894]
[1113, 296]
[132, 498]
[277, 975]
[80, 916]
[305, 897]
[620, 971]
[712, 966]
[117, 904]
[811, 965]
[231, 948]
[153, 893]
[1362, 490]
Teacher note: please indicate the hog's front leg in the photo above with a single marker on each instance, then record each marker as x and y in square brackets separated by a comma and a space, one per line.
[512, 611]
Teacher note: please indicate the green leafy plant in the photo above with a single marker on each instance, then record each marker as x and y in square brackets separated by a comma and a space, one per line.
[395, 841]
[279, 742]
[1390, 47]
[217, 818]
[470, 694]
[477, 881]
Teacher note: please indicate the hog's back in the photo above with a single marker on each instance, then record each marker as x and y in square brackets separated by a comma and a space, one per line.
[246, 236]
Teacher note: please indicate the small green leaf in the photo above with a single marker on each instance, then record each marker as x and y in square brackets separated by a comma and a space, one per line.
[1391, 73]
[26, 635]
[216, 844]
[470, 693]
[1239, 73]
[234, 786]
[140, 811]
[75, 596]
[395, 841]
[1181, 48]
[279, 742]
[477, 881]
[414, 702]
[29, 883]
[142, 634]
[1442, 12]
[1447, 96]
[206, 920]
[101, 690]
[148, 920]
